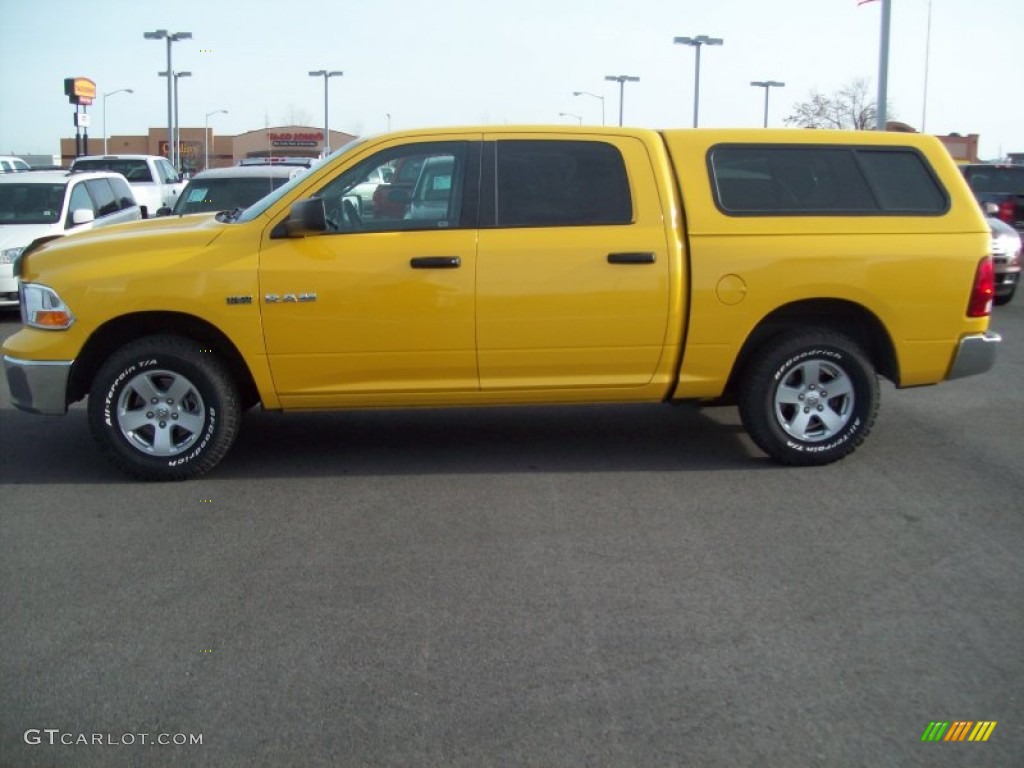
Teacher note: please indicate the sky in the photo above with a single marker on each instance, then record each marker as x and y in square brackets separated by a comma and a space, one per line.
[419, 63]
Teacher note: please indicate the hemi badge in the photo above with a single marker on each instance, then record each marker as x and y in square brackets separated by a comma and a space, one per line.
[239, 299]
[289, 298]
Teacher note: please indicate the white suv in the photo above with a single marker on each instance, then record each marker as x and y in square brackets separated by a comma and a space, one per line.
[36, 204]
[11, 164]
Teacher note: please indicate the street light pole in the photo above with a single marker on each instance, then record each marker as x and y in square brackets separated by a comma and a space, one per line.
[326, 75]
[593, 96]
[578, 118]
[110, 93]
[767, 85]
[177, 125]
[162, 34]
[206, 136]
[622, 80]
[696, 43]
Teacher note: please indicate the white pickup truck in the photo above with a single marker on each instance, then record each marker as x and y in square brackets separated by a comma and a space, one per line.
[152, 178]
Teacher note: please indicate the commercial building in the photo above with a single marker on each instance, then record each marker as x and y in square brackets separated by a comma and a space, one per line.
[197, 143]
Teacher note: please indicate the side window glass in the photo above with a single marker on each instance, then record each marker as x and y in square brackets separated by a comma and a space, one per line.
[418, 186]
[561, 183]
[776, 180]
[123, 193]
[169, 174]
[103, 194]
[79, 200]
[794, 180]
[903, 182]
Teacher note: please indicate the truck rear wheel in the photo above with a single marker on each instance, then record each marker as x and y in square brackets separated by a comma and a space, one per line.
[809, 399]
[162, 408]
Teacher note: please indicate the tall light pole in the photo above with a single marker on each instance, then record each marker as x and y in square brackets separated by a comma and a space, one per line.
[593, 96]
[767, 85]
[883, 67]
[326, 75]
[622, 80]
[696, 43]
[577, 118]
[163, 34]
[177, 125]
[206, 135]
[110, 93]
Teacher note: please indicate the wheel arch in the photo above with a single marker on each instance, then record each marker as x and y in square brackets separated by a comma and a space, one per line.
[846, 317]
[127, 328]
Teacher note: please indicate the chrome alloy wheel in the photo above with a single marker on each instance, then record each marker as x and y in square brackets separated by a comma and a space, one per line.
[814, 401]
[161, 413]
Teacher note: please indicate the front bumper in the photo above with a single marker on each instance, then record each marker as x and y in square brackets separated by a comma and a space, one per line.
[38, 386]
[975, 354]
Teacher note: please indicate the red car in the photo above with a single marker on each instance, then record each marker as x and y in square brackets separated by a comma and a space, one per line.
[391, 200]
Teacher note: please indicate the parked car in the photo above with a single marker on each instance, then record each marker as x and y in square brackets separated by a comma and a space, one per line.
[999, 189]
[153, 179]
[1006, 259]
[225, 189]
[391, 199]
[429, 201]
[35, 204]
[362, 194]
[11, 164]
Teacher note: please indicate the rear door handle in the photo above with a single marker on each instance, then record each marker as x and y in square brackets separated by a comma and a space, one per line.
[435, 262]
[630, 258]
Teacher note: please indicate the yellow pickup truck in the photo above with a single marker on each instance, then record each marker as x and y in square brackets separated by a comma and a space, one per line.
[782, 271]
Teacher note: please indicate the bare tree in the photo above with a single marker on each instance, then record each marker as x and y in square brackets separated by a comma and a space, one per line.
[849, 108]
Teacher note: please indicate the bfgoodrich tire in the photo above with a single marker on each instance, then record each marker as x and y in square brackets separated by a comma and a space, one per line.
[163, 408]
[809, 398]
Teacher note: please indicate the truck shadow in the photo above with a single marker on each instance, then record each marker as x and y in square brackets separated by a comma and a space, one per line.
[610, 438]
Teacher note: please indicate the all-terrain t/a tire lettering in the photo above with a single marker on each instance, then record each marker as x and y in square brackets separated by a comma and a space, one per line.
[809, 398]
[161, 409]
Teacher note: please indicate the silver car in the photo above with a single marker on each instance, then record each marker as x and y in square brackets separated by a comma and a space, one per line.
[1006, 259]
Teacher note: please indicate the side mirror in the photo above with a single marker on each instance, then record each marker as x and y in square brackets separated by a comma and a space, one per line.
[163, 211]
[81, 216]
[307, 217]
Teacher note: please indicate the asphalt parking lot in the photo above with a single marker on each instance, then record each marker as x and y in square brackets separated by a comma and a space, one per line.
[621, 586]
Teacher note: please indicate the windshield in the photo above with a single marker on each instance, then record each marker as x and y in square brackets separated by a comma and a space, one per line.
[131, 169]
[261, 206]
[31, 203]
[1005, 180]
[224, 194]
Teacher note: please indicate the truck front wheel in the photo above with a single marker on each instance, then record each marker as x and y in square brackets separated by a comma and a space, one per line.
[810, 398]
[164, 408]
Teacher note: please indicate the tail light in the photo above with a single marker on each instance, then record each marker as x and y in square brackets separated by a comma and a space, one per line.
[984, 288]
[1007, 208]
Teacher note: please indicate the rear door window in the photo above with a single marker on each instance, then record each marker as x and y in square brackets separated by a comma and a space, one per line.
[561, 183]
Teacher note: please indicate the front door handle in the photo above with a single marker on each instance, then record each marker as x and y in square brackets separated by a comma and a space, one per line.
[630, 258]
[435, 262]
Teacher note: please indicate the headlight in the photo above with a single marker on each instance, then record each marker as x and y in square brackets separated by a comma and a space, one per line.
[10, 255]
[42, 308]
